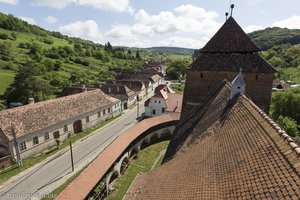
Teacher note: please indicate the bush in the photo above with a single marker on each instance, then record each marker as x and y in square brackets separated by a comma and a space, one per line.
[289, 125]
[3, 36]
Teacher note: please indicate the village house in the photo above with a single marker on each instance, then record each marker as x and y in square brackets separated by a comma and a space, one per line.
[162, 102]
[39, 125]
[157, 65]
[150, 81]
[75, 89]
[136, 86]
[119, 91]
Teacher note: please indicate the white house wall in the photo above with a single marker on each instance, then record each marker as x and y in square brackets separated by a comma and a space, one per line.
[43, 144]
[157, 104]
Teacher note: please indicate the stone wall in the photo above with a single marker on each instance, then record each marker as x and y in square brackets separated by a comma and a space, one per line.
[200, 83]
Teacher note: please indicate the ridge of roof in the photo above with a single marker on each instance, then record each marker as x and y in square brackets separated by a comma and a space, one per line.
[230, 38]
[294, 146]
[179, 136]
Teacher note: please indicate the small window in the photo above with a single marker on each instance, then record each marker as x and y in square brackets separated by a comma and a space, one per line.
[153, 111]
[87, 119]
[104, 112]
[46, 136]
[66, 128]
[99, 114]
[163, 110]
[56, 135]
[158, 101]
[201, 75]
[35, 140]
[256, 77]
[23, 146]
[108, 110]
[155, 101]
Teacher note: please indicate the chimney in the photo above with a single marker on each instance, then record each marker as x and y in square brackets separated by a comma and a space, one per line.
[30, 100]
[84, 89]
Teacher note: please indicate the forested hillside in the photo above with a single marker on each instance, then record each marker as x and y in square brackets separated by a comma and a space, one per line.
[281, 48]
[43, 61]
[271, 37]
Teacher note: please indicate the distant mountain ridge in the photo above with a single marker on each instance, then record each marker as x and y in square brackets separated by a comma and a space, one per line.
[176, 50]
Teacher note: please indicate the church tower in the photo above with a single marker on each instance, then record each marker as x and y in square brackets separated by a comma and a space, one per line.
[228, 51]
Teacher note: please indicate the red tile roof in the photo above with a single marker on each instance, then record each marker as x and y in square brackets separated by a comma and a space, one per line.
[34, 117]
[174, 102]
[92, 174]
[233, 151]
[164, 87]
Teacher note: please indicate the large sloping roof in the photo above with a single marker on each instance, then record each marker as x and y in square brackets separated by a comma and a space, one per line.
[231, 62]
[34, 117]
[116, 89]
[230, 38]
[75, 89]
[233, 151]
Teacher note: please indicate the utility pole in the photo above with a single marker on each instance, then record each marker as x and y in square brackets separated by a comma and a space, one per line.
[19, 159]
[71, 150]
[138, 107]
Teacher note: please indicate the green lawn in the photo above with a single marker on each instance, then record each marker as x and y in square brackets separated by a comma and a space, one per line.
[6, 78]
[143, 163]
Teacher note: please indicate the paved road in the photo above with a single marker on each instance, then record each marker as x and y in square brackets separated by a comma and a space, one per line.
[47, 177]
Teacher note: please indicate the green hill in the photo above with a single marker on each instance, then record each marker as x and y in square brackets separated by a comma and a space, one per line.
[55, 59]
[271, 37]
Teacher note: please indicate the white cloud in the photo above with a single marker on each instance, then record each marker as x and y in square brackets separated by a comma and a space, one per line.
[120, 31]
[194, 12]
[84, 29]
[252, 28]
[115, 5]
[163, 28]
[187, 18]
[28, 20]
[12, 2]
[50, 19]
[58, 4]
[292, 23]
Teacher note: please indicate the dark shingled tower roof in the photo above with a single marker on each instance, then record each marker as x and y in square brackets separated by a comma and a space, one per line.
[230, 38]
[231, 49]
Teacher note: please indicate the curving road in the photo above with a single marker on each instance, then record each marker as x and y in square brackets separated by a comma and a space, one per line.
[50, 174]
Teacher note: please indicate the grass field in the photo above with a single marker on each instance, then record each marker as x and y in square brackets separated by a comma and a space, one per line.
[143, 163]
[6, 78]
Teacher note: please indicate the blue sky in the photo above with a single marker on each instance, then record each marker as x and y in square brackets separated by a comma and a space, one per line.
[146, 23]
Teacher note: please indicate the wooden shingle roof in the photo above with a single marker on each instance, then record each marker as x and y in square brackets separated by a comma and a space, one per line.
[230, 38]
[231, 62]
[232, 150]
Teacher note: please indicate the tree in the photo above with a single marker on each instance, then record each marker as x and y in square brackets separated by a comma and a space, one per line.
[26, 84]
[289, 125]
[137, 55]
[176, 69]
[108, 47]
[286, 103]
